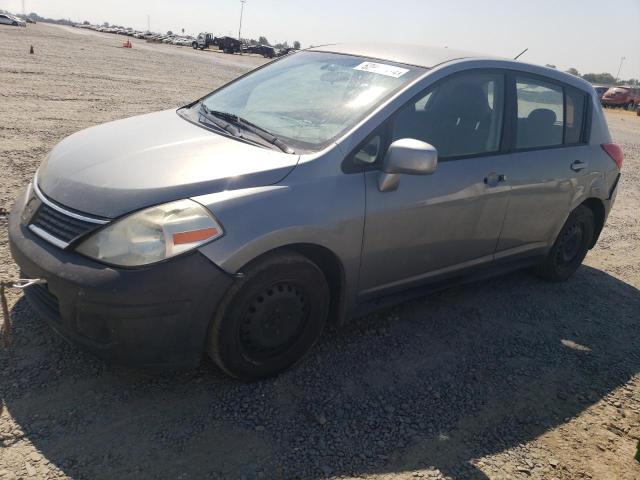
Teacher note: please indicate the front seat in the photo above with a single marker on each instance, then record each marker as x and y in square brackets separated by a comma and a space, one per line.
[463, 116]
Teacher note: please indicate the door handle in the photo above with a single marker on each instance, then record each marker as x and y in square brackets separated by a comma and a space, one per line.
[578, 165]
[494, 178]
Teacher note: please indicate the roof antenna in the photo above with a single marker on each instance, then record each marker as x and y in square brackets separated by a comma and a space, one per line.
[521, 53]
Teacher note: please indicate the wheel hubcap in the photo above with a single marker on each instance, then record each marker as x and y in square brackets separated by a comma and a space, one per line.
[571, 244]
[274, 320]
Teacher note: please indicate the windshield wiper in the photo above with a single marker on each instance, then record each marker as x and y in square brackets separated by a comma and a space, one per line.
[218, 121]
[231, 118]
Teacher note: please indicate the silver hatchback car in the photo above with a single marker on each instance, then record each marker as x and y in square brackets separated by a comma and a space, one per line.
[308, 191]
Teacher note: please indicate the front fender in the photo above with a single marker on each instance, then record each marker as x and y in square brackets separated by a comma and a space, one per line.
[325, 211]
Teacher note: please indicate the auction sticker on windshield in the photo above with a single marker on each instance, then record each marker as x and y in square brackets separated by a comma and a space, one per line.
[381, 69]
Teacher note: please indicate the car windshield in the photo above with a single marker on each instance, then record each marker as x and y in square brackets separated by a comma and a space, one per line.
[309, 99]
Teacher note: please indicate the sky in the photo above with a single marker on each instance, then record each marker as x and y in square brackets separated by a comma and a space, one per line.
[584, 34]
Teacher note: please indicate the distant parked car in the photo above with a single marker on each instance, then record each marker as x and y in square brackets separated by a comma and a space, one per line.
[625, 97]
[266, 51]
[6, 19]
[184, 42]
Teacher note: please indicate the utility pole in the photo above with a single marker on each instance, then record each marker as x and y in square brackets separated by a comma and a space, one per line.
[148, 23]
[622, 59]
[242, 2]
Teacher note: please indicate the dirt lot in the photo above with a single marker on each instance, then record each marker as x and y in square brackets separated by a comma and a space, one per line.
[509, 378]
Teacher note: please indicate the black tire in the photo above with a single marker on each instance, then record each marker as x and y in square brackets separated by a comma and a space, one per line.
[270, 318]
[194, 45]
[570, 248]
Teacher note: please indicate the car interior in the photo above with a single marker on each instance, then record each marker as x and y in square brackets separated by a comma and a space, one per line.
[539, 128]
[460, 117]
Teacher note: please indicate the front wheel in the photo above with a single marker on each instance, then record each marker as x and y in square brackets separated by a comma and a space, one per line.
[270, 318]
[570, 247]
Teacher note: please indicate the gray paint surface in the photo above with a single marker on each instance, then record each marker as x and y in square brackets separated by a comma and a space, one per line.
[125, 165]
[431, 225]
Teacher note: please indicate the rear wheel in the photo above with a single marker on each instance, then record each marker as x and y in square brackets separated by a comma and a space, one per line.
[270, 318]
[570, 247]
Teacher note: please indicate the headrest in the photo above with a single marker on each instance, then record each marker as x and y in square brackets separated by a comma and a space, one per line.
[543, 116]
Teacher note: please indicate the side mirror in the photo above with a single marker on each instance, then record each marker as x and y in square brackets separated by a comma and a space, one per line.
[408, 156]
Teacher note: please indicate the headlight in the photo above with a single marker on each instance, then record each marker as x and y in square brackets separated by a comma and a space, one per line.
[153, 234]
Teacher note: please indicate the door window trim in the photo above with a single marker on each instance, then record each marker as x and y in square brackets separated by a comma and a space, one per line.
[586, 120]
[350, 166]
[509, 125]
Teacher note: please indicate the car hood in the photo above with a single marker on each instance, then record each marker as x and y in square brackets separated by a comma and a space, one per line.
[122, 166]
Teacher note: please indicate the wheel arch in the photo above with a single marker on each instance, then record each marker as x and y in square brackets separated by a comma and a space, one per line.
[599, 214]
[332, 268]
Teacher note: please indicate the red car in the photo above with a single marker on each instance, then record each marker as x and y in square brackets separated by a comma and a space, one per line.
[625, 97]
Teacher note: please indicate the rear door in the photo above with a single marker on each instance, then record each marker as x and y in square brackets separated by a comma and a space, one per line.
[549, 164]
[440, 223]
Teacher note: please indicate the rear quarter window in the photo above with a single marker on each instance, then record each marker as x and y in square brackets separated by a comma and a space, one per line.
[575, 108]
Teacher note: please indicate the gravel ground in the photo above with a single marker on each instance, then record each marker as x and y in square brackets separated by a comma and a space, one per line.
[509, 378]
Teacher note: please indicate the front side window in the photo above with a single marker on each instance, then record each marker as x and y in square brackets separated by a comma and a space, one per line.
[310, 98]
[540, 114]
[462, 115]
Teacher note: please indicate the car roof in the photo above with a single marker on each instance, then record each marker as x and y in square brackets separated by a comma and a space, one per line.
[430, 57]
[417, 55]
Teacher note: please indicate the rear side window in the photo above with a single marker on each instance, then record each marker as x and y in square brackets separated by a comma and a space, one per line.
[575, 114]
[461, 115]
[540, 114]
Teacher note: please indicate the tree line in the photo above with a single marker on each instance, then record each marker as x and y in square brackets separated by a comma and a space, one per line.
[262, 40]
[601, 78]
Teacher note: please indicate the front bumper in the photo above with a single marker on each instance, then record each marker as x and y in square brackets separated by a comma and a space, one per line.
[154, 316]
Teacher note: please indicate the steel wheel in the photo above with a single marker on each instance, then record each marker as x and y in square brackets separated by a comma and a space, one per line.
[270, 317]
[274, 320]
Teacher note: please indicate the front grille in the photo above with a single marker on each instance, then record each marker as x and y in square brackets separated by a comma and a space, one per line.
[43, 300]
[59, 225]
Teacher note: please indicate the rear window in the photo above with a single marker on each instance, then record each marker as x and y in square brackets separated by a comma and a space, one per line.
[549, 115]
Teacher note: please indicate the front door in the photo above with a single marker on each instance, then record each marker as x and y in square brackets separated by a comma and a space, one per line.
[440, 223]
